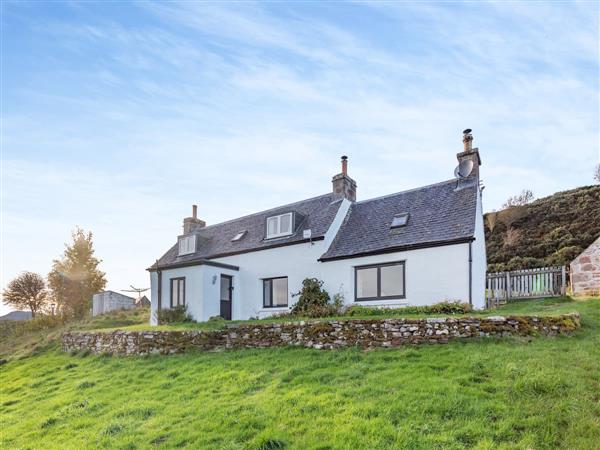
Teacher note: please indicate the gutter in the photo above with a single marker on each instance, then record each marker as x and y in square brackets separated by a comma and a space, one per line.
[400, 248]
[159, 288]
[200, 262]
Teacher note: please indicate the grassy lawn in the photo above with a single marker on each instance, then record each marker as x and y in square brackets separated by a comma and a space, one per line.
[541, 393]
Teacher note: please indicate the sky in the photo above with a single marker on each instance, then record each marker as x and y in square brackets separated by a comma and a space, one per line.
[117, 116]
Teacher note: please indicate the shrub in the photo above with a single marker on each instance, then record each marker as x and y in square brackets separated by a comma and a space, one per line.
[216, 319]
[445, 307]
[173, 315]
[314, 301]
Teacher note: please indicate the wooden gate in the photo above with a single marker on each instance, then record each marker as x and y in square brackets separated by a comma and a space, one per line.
[523, 284]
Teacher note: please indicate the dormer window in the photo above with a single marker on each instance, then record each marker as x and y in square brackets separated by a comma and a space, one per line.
[187, 245]
[278, 226]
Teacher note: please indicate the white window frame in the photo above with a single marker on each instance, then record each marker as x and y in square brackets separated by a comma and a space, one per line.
[187, 245]
[279, 232]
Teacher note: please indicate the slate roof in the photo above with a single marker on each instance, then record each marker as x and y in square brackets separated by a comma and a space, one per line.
[215, 240]
[437, 213]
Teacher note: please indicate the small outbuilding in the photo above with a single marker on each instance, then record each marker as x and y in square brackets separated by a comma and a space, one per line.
[107, 301]
[585, 271]
[143, 302]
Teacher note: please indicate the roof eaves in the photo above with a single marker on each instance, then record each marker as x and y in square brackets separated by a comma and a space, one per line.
[198, 262]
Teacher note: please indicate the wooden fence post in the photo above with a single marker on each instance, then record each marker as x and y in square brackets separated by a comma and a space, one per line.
[563, 288]
[508, 287]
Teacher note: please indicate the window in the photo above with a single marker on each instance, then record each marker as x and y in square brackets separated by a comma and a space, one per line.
[275, 292]
[381, 281]
[177, 292]
[399, 220]
[238, 236]
[187, 245]
[279, 225]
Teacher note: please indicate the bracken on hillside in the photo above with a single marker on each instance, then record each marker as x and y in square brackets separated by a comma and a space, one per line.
[550, 231]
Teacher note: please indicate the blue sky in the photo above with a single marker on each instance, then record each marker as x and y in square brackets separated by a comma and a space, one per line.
[118, 116]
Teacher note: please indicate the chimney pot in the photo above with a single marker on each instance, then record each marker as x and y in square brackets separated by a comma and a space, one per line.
[469, 153]
[343, 185]
[191, 224]
[468, 140]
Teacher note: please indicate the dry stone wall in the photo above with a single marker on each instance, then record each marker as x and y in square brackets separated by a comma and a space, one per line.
[332, 334]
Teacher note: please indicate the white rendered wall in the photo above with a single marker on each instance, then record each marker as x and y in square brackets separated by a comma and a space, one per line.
[194, 280]
[153, 297]
[479, 259]
[296, 262]
[212, 292]
[432, 275]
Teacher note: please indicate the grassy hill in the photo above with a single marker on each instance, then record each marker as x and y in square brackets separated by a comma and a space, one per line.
[550, 231]
[541, 393]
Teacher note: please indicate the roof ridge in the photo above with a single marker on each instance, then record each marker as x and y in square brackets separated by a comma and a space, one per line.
[262, 212]
[406, 191]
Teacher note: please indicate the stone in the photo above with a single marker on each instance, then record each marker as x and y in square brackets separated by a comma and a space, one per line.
[436, 320]
[371, 333]
[497, 318]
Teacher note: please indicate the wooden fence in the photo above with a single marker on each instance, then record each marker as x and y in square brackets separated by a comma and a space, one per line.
[523, 284]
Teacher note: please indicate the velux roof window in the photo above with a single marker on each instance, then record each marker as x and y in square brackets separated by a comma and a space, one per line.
[399, 220]
[280, 225]
[238, 236]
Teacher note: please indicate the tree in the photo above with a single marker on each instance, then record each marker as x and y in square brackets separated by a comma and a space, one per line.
[597, 174]
[75, 277]
[524, 198]
[27, 291]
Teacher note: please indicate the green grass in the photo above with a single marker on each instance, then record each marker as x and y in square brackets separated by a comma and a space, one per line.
[541, 393]
[18, 339]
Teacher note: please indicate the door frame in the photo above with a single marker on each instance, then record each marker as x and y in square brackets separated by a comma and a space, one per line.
[230, 301]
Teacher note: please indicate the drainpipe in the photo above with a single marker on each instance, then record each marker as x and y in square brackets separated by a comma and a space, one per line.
[159, 288]
[471, 273]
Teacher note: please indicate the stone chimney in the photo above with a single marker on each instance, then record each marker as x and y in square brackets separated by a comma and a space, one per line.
[191, 224]
[343, 185]
[469, 152]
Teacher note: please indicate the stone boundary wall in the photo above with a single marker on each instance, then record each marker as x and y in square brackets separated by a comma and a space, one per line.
[365, 333]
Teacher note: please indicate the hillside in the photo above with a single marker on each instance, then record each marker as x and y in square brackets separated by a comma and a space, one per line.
[17, 315]
[550, 231]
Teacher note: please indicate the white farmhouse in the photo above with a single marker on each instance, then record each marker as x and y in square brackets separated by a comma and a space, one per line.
[415, 247]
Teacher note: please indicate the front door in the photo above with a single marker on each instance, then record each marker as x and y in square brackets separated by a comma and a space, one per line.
[226, 291]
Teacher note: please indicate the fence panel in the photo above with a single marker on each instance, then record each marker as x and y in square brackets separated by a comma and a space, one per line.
[524, 284]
